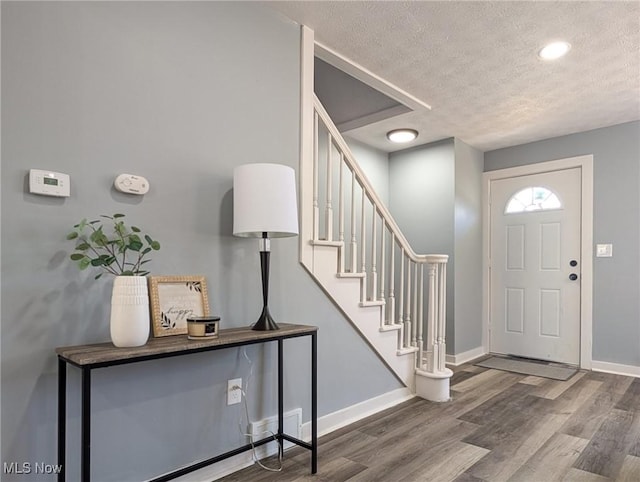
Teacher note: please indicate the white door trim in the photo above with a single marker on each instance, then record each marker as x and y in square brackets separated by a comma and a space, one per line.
[586, 287]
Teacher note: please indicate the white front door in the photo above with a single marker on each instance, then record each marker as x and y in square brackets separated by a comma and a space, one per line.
[535, 262]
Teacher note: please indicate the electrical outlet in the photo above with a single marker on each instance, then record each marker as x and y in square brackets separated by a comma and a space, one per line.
[234, 391]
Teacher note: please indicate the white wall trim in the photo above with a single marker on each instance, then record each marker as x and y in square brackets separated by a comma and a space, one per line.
[348, 415]
[615, 368]
[305, 170]
[219, 470]
[466, 356]
[366, 76]
[586, 286]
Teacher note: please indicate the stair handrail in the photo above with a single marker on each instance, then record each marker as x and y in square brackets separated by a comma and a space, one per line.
[370, 191]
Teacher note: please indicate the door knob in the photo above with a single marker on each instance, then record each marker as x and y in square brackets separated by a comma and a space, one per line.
[573, 263]
[573, 276]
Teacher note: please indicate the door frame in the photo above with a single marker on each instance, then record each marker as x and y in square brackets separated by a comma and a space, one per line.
[585, 163]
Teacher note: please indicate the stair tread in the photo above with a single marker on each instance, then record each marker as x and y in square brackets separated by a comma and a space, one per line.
[324, 242]
[407, 351]
[350, 275]
[386, 327]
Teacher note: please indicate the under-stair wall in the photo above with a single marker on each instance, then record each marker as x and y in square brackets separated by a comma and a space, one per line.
[356, 252]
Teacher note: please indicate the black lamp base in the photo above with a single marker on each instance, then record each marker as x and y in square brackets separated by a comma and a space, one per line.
[265, 322]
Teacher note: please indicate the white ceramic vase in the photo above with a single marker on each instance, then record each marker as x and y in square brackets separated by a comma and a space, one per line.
[129, 311]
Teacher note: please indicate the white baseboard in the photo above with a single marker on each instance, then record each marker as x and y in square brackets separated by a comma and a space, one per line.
[615, 368]
[219, 470]
[465, 357]
[326, 424]
[341, 418]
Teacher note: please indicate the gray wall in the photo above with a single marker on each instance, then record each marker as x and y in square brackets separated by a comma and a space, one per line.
[180, 93]
[616, 290]
[468, 247]
[375, 165]
[422, 201]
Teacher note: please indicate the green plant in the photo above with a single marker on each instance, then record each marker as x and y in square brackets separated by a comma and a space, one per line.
[120, 251]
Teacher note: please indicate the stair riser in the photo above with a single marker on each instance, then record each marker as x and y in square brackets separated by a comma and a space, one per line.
[346, 293]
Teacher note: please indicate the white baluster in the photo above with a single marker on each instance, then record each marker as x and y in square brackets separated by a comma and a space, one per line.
[363, 248]
[329, 207]
[374, 254]
[420, 317]
[316, 160]
[354, 243]
[442, 316]
[343, 249]
[401, 297]
[414, 311]
[407, 317]
[392, 277]
[382, 262]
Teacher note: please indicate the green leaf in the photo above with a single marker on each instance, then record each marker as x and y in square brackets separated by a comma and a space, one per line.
[148, 239]
[84, 263]
[77, 256]
[72, 235]
[97, 262]
[83, 246]
[95, 235]
[135, 229]
[99, 238]
[135, 245]
[118, 216]
[155, 245]
[105, 216]
[94, 221]
[146, 251]
[120, 228]
[99, 275]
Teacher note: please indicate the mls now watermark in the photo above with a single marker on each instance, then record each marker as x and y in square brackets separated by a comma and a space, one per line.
[30, 468]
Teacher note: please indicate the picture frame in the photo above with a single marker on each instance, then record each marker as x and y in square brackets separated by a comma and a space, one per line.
[173, 300]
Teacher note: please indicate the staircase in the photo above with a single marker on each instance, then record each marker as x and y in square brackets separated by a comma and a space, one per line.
[354, 249]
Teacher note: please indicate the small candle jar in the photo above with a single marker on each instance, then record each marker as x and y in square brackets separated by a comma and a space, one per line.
[202, 327]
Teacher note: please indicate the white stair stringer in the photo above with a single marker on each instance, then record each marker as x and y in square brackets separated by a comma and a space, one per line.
[345, 291]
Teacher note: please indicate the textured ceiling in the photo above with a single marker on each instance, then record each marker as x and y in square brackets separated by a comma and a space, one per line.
[475, 63]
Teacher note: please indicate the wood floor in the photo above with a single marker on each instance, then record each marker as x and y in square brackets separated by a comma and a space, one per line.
[499, 427]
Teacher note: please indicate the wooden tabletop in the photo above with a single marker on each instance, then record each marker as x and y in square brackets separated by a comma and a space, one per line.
[104, 354]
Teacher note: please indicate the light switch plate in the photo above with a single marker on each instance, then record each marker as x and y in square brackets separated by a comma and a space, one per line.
[604, 250]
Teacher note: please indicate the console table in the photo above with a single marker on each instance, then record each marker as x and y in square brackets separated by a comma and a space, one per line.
[91, 357]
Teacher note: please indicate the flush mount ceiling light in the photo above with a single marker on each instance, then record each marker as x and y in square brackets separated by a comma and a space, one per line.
[402, 135]
[554, 50]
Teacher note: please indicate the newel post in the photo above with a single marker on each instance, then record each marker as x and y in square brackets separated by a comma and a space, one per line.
[432, 377]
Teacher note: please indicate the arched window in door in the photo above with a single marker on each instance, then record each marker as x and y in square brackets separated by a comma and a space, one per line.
[533, 199]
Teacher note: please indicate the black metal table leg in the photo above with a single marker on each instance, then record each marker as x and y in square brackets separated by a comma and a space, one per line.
[62, 417]
[314, 403]
[86, 425]
[280, 397]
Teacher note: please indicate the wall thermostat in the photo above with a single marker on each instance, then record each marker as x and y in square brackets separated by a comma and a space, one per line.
[48, 183]
[131, 184]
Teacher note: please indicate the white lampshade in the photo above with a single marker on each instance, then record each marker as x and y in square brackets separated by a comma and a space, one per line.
[264, 201]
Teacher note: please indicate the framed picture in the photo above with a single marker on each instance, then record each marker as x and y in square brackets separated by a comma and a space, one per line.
[173, 300]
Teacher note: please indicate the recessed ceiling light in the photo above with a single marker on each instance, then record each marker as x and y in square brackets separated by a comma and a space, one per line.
[554, 50]
[402, 135]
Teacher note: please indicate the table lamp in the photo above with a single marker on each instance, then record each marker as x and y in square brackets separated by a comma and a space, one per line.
[264, 206]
